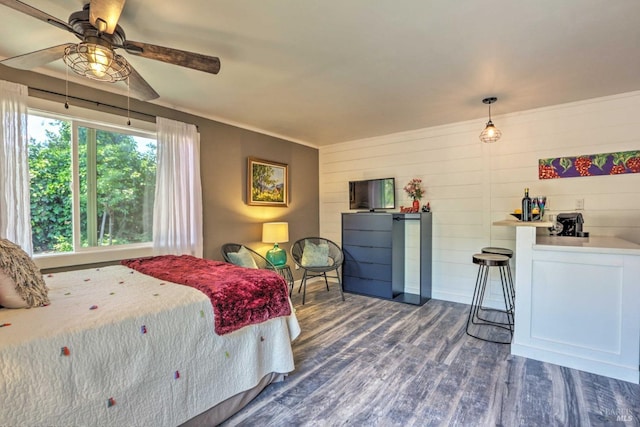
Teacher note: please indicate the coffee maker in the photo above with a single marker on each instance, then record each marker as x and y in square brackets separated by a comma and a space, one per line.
[571, 224]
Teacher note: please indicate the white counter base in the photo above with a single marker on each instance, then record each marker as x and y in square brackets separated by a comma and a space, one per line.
[577, 303]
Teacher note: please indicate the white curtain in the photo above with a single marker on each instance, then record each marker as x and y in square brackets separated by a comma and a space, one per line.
[177, 213]
[15, 214]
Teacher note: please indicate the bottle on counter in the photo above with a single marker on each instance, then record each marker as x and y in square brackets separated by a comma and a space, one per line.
[526, 206]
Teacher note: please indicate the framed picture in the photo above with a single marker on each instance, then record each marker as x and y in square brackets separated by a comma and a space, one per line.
[267, 183]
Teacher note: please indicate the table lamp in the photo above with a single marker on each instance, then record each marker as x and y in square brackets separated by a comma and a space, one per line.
[276, 232]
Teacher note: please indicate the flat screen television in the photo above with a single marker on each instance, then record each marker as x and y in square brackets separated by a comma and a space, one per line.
[372, 194]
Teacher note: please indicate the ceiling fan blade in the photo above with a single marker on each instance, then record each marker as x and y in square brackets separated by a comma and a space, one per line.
[196, 61]
[38, 14]
[139, 87]
[36, 59]
[104, 14]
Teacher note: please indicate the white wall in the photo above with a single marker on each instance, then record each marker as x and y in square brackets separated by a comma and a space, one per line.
[470, 184]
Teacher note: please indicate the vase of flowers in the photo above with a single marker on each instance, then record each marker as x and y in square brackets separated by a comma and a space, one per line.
[415, 191]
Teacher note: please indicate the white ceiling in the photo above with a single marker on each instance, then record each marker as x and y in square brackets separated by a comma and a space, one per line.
[326, 71]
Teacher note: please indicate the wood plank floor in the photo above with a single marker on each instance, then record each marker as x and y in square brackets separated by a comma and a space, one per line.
[370, 362]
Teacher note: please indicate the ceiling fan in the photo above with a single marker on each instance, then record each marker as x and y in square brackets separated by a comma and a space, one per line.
[96, 25]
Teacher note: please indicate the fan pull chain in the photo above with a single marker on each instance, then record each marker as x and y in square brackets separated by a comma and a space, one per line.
[128, 101]
[66, 88]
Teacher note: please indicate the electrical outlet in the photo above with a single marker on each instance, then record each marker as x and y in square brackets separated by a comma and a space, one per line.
[579, 204]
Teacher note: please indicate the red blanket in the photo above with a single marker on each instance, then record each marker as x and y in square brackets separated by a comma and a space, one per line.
[240, 296]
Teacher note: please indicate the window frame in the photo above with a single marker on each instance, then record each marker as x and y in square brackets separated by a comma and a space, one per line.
[80, 117]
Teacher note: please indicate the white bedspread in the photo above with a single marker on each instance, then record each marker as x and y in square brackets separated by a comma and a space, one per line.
[119, 348]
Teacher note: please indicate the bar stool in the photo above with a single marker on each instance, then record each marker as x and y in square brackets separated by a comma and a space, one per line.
[506, 252]
[485, 261]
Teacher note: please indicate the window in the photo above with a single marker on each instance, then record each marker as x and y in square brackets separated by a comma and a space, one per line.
[92, 185]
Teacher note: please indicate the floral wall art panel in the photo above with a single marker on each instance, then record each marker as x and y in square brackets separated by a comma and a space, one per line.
[590, 165]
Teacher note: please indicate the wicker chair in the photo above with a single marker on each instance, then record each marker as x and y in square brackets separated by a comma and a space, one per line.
[334, 263]
[261, 261]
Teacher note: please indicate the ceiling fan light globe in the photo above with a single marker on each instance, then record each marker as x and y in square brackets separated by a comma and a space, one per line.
[99, 59]
[96, 62]
[97, 70]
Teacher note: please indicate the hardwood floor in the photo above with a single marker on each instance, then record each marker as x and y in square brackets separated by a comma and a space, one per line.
[372, 362]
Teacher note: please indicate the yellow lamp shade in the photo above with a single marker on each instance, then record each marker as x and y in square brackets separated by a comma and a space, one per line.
[276, 232]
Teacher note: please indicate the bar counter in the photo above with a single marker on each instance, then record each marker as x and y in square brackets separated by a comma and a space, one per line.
[577, 301]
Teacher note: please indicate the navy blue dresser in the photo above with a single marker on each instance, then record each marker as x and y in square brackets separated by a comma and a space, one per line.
[374, 255]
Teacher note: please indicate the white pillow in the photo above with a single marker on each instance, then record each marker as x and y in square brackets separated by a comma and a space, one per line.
[243, 258]
[315, 255]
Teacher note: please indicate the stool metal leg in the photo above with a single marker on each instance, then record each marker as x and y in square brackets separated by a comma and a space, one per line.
[478, 298]
[494, 310]
[481, 286]
[474, 299]
[510, 289]
[508, 300]
[513, 289]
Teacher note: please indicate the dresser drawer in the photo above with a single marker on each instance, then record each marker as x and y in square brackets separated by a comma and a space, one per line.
[376, 239]
[367, 254]
[382, 222]
[375, 288]
[367, 270]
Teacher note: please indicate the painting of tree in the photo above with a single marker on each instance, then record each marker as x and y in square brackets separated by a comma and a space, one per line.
[267, 183]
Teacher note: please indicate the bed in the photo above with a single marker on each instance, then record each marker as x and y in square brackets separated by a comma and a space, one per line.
[119, 347]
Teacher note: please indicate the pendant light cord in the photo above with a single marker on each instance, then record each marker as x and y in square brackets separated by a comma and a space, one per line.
[128, 103]
[66, 88]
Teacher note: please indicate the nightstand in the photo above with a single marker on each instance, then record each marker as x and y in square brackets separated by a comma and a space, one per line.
[285, 272]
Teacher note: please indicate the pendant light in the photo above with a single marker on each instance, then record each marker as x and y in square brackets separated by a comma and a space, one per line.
[490, 132]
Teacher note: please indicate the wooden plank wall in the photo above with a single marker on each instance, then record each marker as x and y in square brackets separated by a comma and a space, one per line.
[470, 184]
